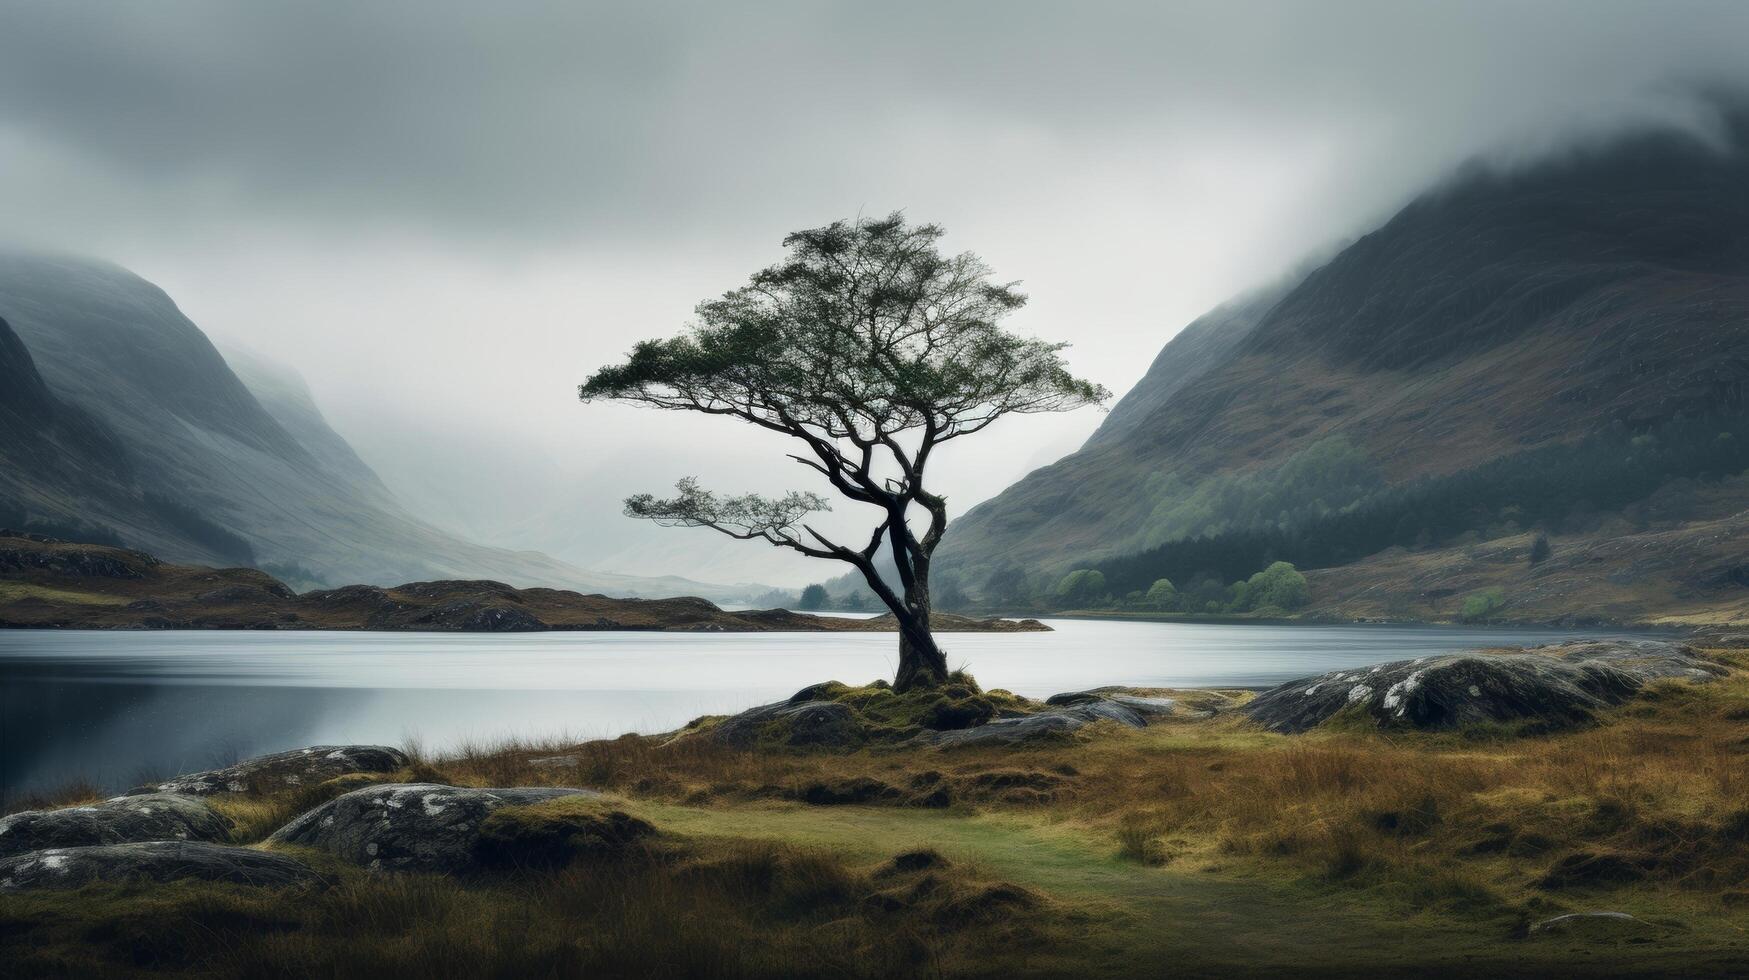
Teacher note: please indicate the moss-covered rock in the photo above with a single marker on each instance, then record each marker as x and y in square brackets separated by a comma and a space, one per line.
[553, 835]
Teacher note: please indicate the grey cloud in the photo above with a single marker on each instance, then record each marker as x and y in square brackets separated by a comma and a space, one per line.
[445, 214]
[572, 119]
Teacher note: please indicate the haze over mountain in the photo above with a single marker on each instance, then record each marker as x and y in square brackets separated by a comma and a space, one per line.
[1513, 349]
[445, 217]
[119, 421]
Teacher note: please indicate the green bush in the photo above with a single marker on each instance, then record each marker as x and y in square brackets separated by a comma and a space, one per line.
[1162, 592]
[1481, 605]
[814, 597]
[1082, 587]
[1280, 586]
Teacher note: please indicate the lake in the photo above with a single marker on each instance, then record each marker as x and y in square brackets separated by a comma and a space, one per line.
[120, 708]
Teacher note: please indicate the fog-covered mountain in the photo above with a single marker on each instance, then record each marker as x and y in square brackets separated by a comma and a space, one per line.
[120, 421]
[1511, 349]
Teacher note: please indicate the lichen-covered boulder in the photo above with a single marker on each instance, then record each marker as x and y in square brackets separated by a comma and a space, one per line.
[1559, 684]
[807, 724]
[410, 826]
[72, 867]
[125, 819]
[316, 764]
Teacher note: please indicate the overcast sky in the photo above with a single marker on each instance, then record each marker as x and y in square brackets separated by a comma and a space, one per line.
[446, 215]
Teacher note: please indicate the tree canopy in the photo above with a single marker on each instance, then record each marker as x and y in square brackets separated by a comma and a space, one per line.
[871, 348]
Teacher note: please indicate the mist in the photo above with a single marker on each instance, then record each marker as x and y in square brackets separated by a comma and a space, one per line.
[445, 217]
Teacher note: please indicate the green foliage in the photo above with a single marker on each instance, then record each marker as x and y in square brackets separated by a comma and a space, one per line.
[1280, 586]
[1082, 586]
[870, 348]
[1162, 591]
[813, 597]
[1481, 605]
[1328, 476]
[1551, 485]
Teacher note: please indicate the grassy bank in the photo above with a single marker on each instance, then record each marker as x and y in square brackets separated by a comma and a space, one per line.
[1195, 846]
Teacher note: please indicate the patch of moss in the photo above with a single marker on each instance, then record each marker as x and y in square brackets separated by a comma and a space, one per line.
[892, 716]
[553, 834]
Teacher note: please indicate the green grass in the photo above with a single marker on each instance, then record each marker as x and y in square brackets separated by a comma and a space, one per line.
[17, 591]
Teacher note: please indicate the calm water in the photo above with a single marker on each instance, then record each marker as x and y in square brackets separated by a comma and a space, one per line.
[119, 707]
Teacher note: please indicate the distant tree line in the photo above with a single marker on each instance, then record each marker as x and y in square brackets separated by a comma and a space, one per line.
[1277, 588]
[1546, 486]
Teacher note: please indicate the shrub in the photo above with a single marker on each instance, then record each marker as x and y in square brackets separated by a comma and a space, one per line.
[1540, 550]
[1280, 585]
[1081, 586]
[1162, 592]
[813, 597]
[1481, 605]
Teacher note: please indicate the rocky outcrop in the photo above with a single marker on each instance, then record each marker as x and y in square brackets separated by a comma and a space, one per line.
[1051, 722]
[410, 826]
[125, 819]
[270, 773]
[1560, 684]
[831, 715]
[805, 724]
[72, 867]
[1146, 705]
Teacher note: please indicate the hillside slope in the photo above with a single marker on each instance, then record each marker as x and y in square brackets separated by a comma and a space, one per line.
[126, 416]
[1603, 296]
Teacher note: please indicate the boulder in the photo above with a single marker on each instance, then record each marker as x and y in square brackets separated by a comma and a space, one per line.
[1145, 704]
[71, 867]
[1051, 722]
[125, 819]
[316, 764]
[1559, 684]
[410, 826]
[810, 724]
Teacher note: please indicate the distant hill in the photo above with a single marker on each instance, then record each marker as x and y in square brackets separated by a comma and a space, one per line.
[1511, 350]
[120, 422]
[46, 583]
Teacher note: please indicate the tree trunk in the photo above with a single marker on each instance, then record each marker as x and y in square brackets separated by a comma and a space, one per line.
[921, 662]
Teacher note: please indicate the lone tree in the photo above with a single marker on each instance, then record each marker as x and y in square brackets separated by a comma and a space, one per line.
[871, 349]
[813, 597]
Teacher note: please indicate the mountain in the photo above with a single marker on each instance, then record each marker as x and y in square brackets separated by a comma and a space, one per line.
[120, 422]
[1512, 349]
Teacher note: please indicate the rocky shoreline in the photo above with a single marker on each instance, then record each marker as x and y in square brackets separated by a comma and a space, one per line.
[350, 807]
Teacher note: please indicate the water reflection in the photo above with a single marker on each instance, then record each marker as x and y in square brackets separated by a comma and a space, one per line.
[119, 707]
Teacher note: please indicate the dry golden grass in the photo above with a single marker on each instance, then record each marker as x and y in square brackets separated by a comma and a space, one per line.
[77, 792]
[716, 908]
[1476, 832]
[1655, 797]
